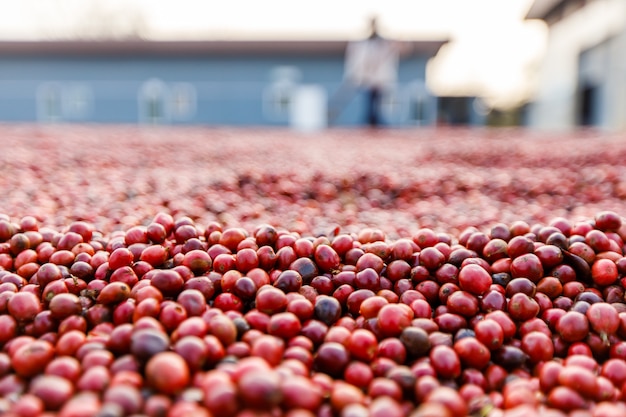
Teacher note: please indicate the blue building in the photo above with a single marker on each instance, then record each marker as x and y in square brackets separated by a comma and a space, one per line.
[198, 82]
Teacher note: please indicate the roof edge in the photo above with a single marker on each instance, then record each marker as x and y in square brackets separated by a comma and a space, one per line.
[174, 47]
[540, 8]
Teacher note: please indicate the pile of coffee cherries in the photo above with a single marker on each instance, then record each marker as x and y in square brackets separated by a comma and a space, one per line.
[396, 180]
[175, 318]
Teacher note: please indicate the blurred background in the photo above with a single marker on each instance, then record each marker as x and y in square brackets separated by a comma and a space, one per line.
[546, 64]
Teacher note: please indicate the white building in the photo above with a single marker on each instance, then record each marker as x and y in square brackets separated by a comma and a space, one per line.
[582, 81]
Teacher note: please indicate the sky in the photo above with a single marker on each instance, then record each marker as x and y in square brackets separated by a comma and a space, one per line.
[492, 51]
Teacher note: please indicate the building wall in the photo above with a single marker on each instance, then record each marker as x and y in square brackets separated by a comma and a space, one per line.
[201, 90]
[616, 80]
[586, 46]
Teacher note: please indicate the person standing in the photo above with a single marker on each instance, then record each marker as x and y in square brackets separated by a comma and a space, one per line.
[371, 65]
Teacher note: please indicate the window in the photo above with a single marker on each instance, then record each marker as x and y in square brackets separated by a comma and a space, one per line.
[417, 103]
[153, 96]
[393, 105]
[416, 111]
[161, 102]
[182, 101]
[77, 100]
[278, 96]
[277, 101]
[49, 102]
[67, 101]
